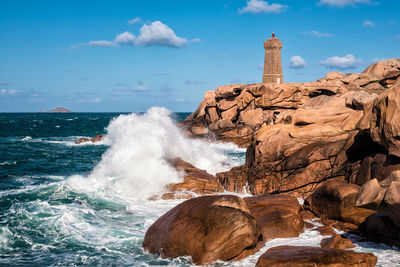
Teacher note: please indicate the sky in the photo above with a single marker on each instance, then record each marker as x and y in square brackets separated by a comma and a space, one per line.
[130, 55]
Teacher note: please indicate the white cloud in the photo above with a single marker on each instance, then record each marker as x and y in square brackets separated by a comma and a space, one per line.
[342, 3]
[125, 38]
[317, 34]
[260, 6]
[346, 62]
[101, 43]
[158, 33]
[297, 62]
[368, 23]
[8, 92]
[133, 21]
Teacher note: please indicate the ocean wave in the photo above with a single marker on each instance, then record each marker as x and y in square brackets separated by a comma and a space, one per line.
[137, 161]
[8, 163]
[26, 138]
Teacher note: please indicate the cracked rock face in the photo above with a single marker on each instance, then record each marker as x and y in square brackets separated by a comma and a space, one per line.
[298, 135]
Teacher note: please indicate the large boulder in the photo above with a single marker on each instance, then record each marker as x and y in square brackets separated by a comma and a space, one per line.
[382, 196]
[313, 256]
[337, 241]
[278, 216]
[384, 67]
[207, 228]
[336, 200]
[382, 120]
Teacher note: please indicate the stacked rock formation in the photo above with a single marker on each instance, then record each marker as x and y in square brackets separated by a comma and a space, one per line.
[301, 134]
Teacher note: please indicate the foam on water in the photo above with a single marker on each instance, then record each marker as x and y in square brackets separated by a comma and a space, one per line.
[136, 163]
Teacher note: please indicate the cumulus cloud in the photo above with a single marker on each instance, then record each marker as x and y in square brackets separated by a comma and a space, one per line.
[342, 3]
[317, 33]
[125, 38]
[346, 62]
[158, 33]
[133, 21]
[155, 33]
[297, 62]
[260, 6]
[368, 23]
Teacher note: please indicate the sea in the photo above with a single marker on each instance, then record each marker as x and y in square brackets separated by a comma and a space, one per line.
[63, 204]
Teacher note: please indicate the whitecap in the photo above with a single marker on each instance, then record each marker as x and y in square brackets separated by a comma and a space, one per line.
[136, 164]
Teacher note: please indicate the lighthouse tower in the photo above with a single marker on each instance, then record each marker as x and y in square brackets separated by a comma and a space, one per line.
[273, 63]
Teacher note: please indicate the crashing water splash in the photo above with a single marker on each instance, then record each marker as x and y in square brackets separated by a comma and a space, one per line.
[136, 163]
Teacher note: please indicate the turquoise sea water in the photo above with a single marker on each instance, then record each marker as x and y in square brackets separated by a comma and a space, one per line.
[63, 204]
[51, 216]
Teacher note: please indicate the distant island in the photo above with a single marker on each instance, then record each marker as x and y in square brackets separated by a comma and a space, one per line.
[60, 110]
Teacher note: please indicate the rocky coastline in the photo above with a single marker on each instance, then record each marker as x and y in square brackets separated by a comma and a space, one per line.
[333, 142]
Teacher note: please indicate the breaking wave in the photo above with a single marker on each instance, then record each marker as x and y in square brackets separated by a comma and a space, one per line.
[136, 163]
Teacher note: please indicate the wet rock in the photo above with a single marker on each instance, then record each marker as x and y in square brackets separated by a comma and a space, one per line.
[313, 256]
[337, 241]
[206, 228]
[82, 140]
[194, 181]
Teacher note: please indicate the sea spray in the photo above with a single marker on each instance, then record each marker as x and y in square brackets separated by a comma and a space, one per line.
[136, 163]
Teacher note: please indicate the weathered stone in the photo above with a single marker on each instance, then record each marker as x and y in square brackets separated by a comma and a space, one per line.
[370, 195]
[206, 228]
[225, 91]
[313, 256]
[225, 104]
[278, 216]
[383, 67]
[252, 117]
[194, 180]
[337, 241]
[336, 200]
[382, 120]
[209, 97]
[97, 138]
[334, 75]
[326, 230]
[229, 114]
[349, 78]
[212, 114]
[82, 140]
[380, 228]
[360, 99]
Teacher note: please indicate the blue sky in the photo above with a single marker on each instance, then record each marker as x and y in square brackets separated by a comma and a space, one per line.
[131, 55]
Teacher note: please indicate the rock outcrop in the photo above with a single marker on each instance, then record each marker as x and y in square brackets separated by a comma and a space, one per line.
[313, 256]
[336, 200]
[95, 139]
[278, 216]
[206, 228]
[337, 241]
[195, 182]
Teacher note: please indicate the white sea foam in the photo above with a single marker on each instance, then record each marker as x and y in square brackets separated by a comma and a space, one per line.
[26, 138]
[136, 164]
[8, 163]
